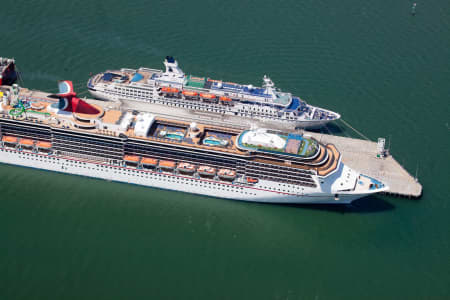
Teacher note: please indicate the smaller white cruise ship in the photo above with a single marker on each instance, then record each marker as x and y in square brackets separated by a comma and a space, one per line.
[176, 89]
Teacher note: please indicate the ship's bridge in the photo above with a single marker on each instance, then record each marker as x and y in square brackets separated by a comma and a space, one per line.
[173, 73]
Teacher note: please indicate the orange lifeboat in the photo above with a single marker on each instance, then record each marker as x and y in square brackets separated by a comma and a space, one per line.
[225, 99]
[9, 139]
[167, 164]
[227, 174]
[190, 93]
[186, 167]
[43, 145]
[26, 142]
[168, 89]
[131, 158]
[147, 161]
[207, 96]
[252, 180]
[206, 171]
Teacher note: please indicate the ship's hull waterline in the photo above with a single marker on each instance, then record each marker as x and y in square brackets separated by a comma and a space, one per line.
[168, 181]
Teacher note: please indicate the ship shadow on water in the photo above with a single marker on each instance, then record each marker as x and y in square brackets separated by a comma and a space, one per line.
[369, 204]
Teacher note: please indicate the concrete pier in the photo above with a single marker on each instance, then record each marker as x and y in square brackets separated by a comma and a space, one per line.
[361, 155]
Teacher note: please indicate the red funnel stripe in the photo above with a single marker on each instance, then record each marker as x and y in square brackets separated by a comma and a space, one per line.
[77, 105]
[69, 102]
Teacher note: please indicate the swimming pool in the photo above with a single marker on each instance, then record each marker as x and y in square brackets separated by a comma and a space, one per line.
[137, 77]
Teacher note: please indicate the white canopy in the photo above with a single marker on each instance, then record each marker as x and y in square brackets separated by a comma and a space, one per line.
[261, 137]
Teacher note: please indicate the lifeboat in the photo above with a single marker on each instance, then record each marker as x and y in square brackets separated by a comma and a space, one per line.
[43, 145]
[186, 168]
[26, 142]
[133, 159]
[190, 93]
[9, 139]
[169, 90]
[206, 171]
[167, 164]
[225, 99]
[208, 96]
[227, 174]
[149, 162]
[252, 180]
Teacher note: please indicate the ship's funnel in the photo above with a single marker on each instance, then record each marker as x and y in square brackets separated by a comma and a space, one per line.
[7, 71]
[69, 102]
[172, 68]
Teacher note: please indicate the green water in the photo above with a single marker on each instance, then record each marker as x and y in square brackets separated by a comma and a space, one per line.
[385, 71]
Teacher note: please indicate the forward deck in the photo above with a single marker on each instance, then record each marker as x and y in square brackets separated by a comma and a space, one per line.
[362, 155]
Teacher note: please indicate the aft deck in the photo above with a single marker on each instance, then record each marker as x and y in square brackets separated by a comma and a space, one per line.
[125, 76]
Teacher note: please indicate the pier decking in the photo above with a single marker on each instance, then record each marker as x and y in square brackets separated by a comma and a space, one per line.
[361, 155]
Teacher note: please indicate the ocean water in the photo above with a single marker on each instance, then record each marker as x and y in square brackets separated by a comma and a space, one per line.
[387, 72]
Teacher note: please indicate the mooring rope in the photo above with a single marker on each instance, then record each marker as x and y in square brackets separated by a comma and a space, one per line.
[358, 132]
[342, 129]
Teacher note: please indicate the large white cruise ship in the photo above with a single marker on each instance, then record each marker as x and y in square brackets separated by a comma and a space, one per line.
[92, 138]
[173, 88]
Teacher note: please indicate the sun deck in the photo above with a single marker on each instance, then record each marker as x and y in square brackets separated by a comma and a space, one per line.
[126, 76]
[174, 128]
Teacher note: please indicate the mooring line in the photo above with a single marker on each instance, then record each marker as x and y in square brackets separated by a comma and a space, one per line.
[358, 132]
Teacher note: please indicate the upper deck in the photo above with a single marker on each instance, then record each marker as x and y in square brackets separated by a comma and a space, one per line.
[125, 76]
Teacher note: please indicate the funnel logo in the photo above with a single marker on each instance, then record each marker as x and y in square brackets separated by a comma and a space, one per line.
[69, 102]
[65, 88]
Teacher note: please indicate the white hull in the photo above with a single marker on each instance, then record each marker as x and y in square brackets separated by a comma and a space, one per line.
[263, 191]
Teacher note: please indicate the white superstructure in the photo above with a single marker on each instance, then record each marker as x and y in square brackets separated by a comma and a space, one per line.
[174, 88]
